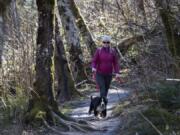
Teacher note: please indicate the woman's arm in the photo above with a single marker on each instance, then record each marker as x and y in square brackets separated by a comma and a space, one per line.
[95, 59]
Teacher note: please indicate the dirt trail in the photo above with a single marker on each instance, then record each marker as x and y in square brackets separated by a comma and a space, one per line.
[106, 125]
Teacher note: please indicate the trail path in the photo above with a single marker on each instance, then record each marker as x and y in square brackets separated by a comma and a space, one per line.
[106, 125]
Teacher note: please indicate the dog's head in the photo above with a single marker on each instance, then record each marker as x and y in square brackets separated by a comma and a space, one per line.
[102, 104]
[98, 105]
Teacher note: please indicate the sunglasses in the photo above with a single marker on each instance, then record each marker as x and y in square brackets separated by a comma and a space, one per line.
[106, 42]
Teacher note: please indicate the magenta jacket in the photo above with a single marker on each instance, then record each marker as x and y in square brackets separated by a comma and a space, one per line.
[105, 61]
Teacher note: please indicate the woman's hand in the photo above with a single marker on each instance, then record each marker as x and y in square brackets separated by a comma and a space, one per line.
[93, 70]
[117, 77]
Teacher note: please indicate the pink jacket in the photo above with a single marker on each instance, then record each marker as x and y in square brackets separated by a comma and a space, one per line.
[105, 61]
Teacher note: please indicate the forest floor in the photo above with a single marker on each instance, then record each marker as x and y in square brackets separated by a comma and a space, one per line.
[78, 109]
[106, 126]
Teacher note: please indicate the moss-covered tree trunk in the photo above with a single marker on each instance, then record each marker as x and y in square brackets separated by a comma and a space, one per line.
[42, 96]
[3, 12]
[73, 42]
[1, 37]
[171, 27]
[85, 32]
[65, 84]
[141, 10]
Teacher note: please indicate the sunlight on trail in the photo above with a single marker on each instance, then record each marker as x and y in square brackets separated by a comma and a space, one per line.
[106, 125]
[114, 97]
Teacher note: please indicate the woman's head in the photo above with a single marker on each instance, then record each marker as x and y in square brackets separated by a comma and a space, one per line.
[106, 40]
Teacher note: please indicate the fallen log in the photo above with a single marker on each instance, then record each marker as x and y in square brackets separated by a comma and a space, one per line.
[127, 43]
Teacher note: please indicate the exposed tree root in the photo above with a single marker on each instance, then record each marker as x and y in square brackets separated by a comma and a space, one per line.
[81, 126]
[49, 127]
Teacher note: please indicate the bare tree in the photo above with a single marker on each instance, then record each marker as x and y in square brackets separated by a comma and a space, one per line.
[65, 83]
[82, 26]
[73, 42]
[171, 27]
[3, 10]
[141, 10]
[1, 37]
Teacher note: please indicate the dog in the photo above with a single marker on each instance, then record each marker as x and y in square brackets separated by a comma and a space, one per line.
[98, 105]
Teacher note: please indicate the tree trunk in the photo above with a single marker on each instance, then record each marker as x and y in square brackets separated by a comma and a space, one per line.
[43, 108]
[86, 34]
[126, 44]
[65, 84]
[72, 37]
[141, 10]
[171, 29]
[3, 10]
[15, 17]
[1, 37]
[42, 96]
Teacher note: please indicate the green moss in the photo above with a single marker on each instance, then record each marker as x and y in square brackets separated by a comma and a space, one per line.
[39, 110]
[120, 108]
[154, 112]
[163, 119]
[167, 93]
[4, 4]
[171, 32]
[53, 75]
[40, 115]
[51, 2]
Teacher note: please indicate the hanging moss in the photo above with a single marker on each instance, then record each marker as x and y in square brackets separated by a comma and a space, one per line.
[51, 2]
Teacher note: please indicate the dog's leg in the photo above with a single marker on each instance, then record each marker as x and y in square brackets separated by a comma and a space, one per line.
[90, 108]
[95, 113]
[104, 113]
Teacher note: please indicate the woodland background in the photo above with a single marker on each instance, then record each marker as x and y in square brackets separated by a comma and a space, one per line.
[46, 49]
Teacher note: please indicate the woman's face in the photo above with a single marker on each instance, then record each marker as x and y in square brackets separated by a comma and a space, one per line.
[106, 43]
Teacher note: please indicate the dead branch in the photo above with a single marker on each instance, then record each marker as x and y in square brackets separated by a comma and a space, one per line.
[127, 43]
[155, 128]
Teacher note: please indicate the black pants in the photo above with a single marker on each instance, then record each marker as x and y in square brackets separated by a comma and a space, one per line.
[104, 82]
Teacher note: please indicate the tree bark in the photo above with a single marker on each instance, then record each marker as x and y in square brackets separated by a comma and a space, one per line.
[65, 84]
[141, 10]
[171, 29]
[1, 37]
[43, 108]
[129, 42]
[3, 10]
[72, 37]
[82, 26]
[43, 96]
[3, 4]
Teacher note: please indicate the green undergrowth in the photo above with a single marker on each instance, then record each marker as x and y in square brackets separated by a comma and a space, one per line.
[167, 93]
[67, 107]
[14, 107]
[156, 111]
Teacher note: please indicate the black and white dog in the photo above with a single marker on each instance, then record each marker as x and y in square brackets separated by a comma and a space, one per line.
[98, 105]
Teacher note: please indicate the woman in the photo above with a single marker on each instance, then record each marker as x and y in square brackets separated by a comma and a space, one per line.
[104, 64]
